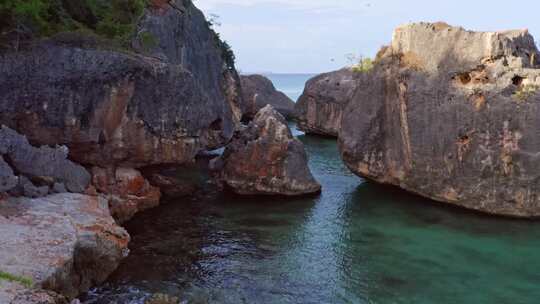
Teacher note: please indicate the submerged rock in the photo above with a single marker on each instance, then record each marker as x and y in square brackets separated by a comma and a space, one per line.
[452, 115]
[266, 159]
[320, 108]
[64, 243]
[127, 190]
[260, 92]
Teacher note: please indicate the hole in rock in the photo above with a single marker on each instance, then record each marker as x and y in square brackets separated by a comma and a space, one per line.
[217, 125]
[464, 78]
[517, 80]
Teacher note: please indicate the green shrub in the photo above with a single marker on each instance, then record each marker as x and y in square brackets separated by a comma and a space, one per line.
[148, 41]
[113, 19]
[363, 66]
[18, 279]
[524, 92]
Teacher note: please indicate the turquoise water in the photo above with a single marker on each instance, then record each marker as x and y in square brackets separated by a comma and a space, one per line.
[357, 242]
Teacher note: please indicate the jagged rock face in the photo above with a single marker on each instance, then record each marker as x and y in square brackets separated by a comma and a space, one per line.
[320, 108]
[181, 35]
[259, 91]
[127, 191]
[114, 108]
[44, 165]
[430, 120]
[64, 243]
[266, 159]
[108, 107]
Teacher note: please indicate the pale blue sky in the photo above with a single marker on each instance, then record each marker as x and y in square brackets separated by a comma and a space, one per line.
[303, 36]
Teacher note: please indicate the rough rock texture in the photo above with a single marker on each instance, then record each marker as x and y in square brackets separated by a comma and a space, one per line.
[175, 181]
[14, 293]
[41, 164]
[64, 243]
[118, 108]
[109, 107]
[8, 180]
[452, 115]
[182, 36]
[259, 91]
[266, 159]
[128, 192]
[320, 108]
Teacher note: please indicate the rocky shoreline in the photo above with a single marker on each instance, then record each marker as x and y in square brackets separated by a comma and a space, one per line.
[83, 124]
[85, 129]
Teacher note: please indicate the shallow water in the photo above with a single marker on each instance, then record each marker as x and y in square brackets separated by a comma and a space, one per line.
[355, 243]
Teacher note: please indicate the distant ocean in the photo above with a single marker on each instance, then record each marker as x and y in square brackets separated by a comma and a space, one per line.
[290, 84]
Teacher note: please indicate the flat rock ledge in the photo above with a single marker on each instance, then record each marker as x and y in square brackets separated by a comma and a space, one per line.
[61, 245]
[265, 159]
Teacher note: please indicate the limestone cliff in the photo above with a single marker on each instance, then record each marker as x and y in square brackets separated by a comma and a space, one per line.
[452, 115]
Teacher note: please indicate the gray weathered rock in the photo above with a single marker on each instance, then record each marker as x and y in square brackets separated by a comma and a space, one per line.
[15, 293]
[58, 188]
[320, 108]
[182, 36]
[8, 180]
[259, 91]
[118, 108]
[43, 162]
[133, 110]
[452, 115]
[64, 243]
[266, 159]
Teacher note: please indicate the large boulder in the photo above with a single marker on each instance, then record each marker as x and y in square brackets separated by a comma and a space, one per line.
[320, 108]
[259, 91]
[64, 243]
[266, 159]
[452, 115]
[41, 164]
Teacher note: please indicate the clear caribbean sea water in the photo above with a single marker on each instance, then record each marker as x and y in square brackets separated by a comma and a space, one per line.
[357, 242]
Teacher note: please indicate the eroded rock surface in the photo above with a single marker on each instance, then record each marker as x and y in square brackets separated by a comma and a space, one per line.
[320, 108]
[266, 159]
[259, 91]
[452, 115]
[127, 190]
[163, 105]
[64, 243]
[109, 107]
[44, 165]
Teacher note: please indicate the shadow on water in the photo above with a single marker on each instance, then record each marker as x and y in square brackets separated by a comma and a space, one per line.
[356, 242]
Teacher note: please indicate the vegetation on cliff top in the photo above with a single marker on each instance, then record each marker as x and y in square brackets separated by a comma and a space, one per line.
[13, 278]
[113, 19]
